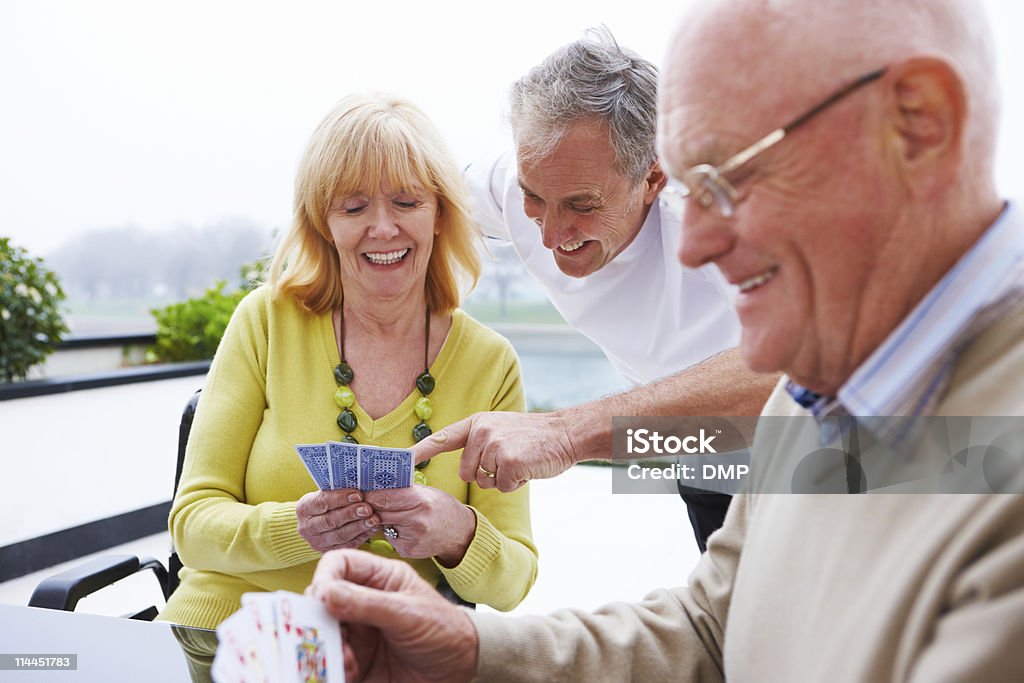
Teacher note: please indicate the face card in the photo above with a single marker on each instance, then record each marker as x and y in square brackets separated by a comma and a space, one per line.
[318, 462]
[384, 468]
[344, 459]
[309, 640]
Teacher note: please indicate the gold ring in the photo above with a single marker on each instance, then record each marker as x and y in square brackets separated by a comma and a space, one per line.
[487, 473]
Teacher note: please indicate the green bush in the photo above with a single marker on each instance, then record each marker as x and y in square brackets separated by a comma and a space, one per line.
[31, 324]
[191, 329]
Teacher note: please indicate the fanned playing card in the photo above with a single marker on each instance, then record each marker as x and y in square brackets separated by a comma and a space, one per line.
[308, 640]
[304, 644]
[337, 465]
[384, 468]
[261, 610]
[317, 460]
[344, 459]
[240, 653]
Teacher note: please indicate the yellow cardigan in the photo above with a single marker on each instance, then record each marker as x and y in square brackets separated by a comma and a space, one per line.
[271, 386]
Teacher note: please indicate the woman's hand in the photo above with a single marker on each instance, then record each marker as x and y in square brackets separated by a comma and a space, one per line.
[429, 522]
[335, 519]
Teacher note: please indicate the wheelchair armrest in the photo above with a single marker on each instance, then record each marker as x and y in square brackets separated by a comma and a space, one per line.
[63, 591]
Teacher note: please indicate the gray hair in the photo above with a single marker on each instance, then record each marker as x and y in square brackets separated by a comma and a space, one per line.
[592, 79]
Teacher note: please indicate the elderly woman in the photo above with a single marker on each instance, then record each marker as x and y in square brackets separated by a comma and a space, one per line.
[356, 337]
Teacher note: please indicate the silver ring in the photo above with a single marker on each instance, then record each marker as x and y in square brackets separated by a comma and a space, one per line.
[486, 472]
[390, 532]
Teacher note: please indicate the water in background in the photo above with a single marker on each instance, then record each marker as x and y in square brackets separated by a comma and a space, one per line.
[561, 367]
[557, 380]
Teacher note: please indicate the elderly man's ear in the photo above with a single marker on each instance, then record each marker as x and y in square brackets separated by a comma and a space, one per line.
[928, 110]
[654, 182]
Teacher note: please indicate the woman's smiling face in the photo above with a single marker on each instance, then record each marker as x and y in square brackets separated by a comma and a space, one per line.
[384, 240]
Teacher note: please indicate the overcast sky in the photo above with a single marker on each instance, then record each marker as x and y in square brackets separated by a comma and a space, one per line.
[157, 115]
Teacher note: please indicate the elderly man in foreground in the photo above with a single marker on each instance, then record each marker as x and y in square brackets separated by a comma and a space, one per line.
[881, 271]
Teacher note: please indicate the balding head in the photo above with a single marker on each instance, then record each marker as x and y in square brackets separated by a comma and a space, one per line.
[844, 225]
[770, 55]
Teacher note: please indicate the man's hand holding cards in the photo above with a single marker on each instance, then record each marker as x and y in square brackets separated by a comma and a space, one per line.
[336, 465]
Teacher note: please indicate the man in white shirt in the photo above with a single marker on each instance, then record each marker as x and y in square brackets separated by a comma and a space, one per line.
[580, 204]
[650, 317]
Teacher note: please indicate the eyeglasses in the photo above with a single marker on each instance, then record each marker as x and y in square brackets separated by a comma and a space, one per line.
[707, 184]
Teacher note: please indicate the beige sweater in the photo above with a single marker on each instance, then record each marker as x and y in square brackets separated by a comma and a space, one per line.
[922, 587]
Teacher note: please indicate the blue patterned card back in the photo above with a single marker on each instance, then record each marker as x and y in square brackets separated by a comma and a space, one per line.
[344, 465]
[318, 463]
[384, 468]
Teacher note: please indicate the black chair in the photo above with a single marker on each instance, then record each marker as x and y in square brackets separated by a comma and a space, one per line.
[63, 591]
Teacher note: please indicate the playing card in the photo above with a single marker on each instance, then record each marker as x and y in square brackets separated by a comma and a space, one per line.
[279, 636]
[239, 650]
[260, 610]
[226, 667]
[224, 670]
[384, 468]
[344, 458]
[318, 462]
[309, 640]
[338, 465]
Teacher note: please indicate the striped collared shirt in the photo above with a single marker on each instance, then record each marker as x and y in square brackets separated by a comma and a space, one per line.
[907, 375]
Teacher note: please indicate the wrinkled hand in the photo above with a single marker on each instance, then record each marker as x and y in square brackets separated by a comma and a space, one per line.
[335, 519]
[429, 522]
[397, 627]
[515, 447]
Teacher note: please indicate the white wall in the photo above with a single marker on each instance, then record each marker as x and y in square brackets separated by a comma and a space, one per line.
[72, 458]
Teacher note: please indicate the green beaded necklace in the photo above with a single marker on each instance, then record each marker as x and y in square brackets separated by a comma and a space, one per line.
[345, 397]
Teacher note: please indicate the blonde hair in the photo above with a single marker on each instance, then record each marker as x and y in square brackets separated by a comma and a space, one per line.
[364, 142]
